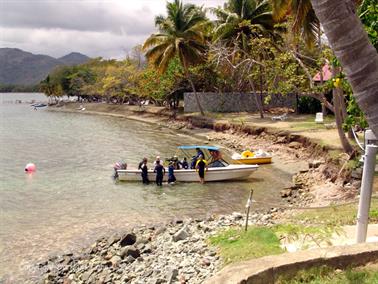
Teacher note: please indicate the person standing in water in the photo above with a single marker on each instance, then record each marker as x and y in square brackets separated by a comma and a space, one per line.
[160, 171]
[143, 166]
[201, 165]
[171, 175]
[157, 159]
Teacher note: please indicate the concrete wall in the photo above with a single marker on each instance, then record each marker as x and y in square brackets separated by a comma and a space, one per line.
[267, 270]
[234, 102]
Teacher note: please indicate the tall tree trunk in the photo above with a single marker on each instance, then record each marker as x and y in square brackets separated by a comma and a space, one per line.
[337, 97]
[194, 90]
[324, 109]
[345, 115]
[352, 47]
[257, 99]
[261, 93]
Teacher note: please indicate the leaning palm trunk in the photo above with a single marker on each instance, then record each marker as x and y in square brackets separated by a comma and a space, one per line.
[352, 47]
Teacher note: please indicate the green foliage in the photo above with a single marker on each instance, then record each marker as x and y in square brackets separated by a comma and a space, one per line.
[309, 105]
[368, 13]
[180, 35]
[241, 20]
[154, 85]
[355, 114]
[5, 88]
[306, 22]
[237, 245]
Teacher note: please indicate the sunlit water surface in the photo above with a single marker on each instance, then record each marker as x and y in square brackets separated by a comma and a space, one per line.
[71, 199]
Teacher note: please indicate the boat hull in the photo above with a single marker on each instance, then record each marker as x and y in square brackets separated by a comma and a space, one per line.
[231, 172]
[253, 161]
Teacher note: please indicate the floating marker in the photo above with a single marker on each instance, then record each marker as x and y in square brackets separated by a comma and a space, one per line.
[29, 168]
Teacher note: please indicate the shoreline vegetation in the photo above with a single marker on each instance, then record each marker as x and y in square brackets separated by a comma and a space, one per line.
[191, 251]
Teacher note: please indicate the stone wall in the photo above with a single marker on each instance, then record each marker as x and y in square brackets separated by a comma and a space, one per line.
[234, 102]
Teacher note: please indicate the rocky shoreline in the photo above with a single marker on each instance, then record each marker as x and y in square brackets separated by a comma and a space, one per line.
[175, 252]
[178, 252]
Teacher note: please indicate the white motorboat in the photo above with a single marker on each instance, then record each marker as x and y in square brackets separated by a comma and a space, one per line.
[218, 170]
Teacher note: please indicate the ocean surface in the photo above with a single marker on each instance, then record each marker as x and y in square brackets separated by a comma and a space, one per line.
[71, 199]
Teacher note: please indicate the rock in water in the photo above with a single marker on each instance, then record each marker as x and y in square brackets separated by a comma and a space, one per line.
[127, 240]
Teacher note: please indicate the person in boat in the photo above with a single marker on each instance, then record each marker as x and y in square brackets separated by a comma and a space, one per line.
[171, 175]
[184, 164]
[160, 171]
[196, 157]
[215, 157]
[201, 165]
[143, 167]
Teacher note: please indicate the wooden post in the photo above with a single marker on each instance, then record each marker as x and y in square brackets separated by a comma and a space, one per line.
[248, 207]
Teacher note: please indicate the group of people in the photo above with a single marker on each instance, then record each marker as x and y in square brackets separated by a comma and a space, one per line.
[198, 162]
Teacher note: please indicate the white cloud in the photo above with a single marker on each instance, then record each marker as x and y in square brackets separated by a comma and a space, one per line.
[107, 28]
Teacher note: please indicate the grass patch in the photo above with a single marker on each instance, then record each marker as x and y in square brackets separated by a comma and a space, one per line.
[237, 245]
[337, 215]
[328, 275]
[306, 235]
[309, 123]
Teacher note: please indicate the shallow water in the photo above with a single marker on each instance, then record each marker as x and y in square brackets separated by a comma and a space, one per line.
[71, 199]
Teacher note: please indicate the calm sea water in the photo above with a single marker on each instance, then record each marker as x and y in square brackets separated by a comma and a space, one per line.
[71, 199]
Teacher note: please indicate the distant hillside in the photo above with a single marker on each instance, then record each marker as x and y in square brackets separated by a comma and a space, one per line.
[74, 58]
[18, 67]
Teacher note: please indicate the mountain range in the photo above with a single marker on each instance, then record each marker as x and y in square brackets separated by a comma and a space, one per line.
[18, 67]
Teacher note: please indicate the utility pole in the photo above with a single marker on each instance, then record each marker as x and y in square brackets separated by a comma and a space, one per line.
[371, 149]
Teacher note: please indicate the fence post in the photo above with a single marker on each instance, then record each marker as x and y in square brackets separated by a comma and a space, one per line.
[248, 207]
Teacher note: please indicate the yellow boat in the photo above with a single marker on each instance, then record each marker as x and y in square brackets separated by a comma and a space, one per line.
[251, 158]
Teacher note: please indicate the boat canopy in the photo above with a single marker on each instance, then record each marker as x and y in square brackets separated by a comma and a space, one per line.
[213, 148]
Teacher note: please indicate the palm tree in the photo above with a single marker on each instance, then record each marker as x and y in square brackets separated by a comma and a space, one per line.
[242, 20]
[355, 52]
[180, 34]
[305, 20]
[238, 22]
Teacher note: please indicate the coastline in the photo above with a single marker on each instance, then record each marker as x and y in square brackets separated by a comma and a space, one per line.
[178, 251]
[319, 177]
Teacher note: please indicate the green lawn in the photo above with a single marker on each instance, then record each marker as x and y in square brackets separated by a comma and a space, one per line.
[308, 227]
[236, 245]
[310, 124]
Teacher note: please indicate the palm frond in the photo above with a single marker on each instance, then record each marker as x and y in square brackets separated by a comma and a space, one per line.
[280, 8]
[154, 39]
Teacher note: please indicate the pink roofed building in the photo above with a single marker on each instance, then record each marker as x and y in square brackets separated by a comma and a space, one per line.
[327, 74]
